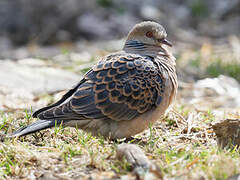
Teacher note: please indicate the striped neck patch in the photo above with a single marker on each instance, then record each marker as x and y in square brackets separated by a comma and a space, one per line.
[134, 44]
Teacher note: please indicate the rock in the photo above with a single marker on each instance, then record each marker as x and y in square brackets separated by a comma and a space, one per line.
[227, 132]
[220, 86]
[223, 89]
[24, 80]
[210, 93]
[35, 79]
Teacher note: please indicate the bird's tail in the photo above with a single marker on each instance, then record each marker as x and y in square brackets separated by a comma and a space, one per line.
[34, 127]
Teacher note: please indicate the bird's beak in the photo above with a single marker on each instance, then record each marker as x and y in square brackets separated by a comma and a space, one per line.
[166, 42]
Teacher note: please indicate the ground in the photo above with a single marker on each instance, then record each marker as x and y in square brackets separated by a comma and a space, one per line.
[183, 144]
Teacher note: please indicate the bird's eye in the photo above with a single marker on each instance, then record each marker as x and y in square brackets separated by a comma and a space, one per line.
[149, 34]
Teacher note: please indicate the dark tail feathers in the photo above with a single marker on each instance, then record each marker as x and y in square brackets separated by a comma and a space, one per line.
[34, 127]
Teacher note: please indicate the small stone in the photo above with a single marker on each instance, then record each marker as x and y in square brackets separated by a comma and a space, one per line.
[143, 167]
[234, 177]
[227, 132]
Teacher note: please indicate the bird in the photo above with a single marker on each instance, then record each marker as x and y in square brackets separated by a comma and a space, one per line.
[122, 94]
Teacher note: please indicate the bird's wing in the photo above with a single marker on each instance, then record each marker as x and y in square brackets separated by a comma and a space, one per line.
[119, 87]
[63, 99]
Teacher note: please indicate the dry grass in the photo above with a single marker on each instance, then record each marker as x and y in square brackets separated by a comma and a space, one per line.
[183, 145]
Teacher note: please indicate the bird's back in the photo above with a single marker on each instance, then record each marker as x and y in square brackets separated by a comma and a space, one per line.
[119, 87]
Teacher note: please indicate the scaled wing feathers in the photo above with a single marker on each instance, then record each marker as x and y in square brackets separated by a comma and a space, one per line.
[119, 87]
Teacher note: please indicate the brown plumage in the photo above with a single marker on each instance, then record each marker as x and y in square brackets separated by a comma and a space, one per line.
[122, 93]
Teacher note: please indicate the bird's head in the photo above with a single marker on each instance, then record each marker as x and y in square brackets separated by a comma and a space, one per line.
[148, 33]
